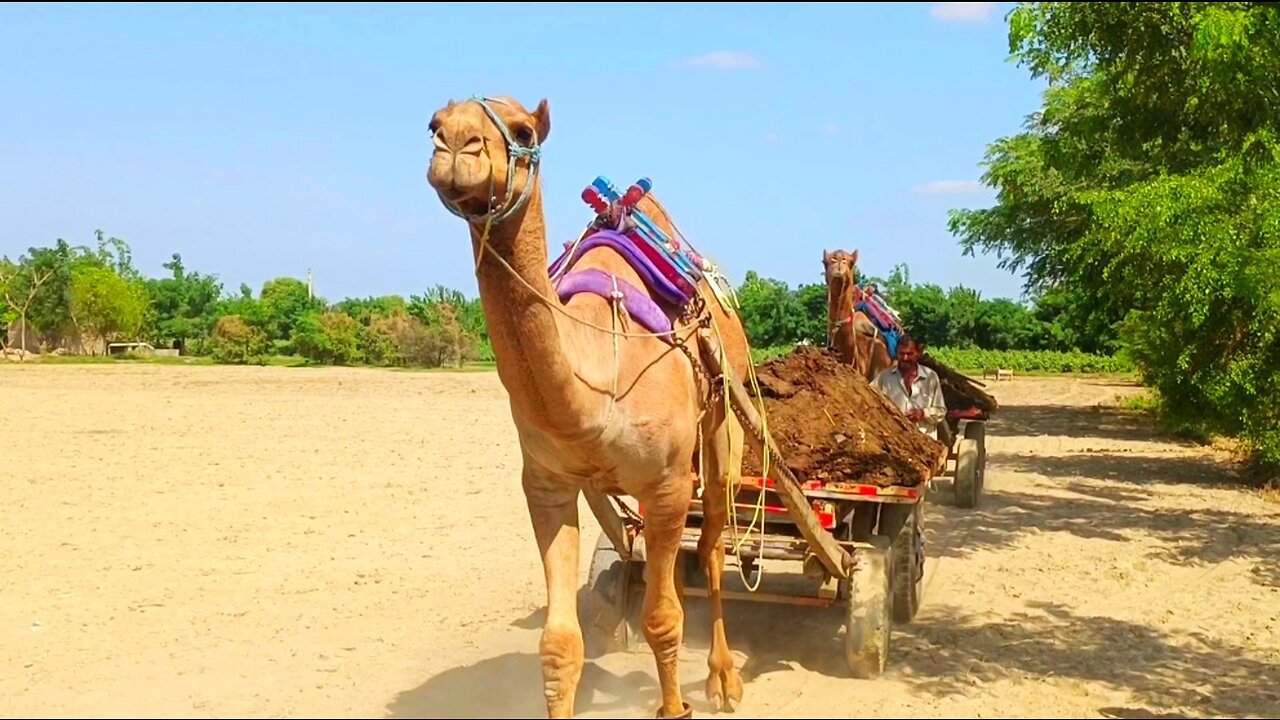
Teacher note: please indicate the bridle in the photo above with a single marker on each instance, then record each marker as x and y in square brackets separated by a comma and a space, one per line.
[515, 151]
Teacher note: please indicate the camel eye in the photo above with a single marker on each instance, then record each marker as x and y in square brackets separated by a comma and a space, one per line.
[524, 135]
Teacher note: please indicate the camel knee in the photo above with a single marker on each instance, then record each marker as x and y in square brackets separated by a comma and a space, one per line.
[662, 627]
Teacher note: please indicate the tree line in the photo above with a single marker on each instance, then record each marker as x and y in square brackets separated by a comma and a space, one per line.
[77, 299]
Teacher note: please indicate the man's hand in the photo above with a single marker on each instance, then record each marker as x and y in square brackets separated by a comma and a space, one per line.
[915, 415]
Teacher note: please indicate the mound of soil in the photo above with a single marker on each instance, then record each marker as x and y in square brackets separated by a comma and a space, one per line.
[831, 425]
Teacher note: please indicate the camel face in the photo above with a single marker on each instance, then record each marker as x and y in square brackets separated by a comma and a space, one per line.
[839, 265]
[471, 160]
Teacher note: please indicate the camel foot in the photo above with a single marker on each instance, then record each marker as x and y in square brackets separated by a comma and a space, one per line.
[686, 713]
[724, 689]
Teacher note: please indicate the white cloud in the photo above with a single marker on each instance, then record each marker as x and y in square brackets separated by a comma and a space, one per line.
[962, 11]
[724, 60]
[950, 187]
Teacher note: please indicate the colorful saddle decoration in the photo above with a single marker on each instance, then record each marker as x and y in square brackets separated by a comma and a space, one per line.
[885, 318]
[670, 268]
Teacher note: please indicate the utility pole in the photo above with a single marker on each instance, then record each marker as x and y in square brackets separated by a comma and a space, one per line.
[311, 291]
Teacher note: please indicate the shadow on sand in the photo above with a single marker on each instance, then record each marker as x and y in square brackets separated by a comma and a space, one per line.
[946, 650]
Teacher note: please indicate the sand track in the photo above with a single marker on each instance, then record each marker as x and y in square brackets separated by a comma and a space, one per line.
[263, 542]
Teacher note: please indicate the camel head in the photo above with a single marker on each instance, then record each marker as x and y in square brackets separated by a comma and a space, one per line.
[840, 266]
[485, 158]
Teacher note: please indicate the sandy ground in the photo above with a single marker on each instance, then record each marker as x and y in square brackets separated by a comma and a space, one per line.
[265, 542]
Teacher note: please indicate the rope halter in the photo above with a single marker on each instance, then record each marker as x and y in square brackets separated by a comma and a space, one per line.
[498, 213]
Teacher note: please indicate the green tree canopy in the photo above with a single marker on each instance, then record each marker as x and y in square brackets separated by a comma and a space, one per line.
[1147, 191]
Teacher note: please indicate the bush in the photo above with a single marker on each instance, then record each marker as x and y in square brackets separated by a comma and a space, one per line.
[236, 342]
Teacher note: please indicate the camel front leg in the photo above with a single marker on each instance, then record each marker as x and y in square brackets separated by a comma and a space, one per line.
[723, 467]
[663, 613]
[554, 512]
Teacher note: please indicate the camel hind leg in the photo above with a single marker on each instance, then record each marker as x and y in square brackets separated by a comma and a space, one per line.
[722, 449]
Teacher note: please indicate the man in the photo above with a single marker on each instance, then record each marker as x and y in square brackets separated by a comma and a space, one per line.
[915, 389]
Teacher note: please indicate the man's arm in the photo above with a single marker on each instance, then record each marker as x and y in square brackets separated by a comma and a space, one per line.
[937, 409]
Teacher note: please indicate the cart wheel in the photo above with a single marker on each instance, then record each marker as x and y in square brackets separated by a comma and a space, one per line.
[908, 568]
[977, 430]
[606, 608]
[867, 623]
[967, 478]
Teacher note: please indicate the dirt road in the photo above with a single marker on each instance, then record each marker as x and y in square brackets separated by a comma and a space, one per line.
[205, 542]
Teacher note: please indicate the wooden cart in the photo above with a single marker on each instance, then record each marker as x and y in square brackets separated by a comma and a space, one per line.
[863, 543]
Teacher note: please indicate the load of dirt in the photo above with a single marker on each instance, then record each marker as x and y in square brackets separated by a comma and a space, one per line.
[831, 425]
[959, 391]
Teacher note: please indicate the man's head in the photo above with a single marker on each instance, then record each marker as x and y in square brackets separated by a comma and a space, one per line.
[909, 349]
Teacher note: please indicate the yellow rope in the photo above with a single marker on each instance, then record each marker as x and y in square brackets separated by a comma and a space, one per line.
[731, 492]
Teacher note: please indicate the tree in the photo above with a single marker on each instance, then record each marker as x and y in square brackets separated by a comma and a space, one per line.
[183, 306]
[107, 305]
[1148, 185]
[285, 300]
[20, 286]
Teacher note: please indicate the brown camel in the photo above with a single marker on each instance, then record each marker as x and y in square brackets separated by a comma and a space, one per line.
[592, 408]
[850, 331]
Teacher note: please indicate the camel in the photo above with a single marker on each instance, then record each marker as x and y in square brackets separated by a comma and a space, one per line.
[849, 331]
[626, 415]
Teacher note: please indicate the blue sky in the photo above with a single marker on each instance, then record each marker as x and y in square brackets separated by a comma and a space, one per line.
[259, 141]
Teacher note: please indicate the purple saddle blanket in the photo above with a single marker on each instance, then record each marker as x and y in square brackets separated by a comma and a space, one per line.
[636, 302]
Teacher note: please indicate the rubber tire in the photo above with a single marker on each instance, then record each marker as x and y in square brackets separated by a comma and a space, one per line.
[978, 431]
[606, 607]
[908, 568]
[869, 608]
[967, 477]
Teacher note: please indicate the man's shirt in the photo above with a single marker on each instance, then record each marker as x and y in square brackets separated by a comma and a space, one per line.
[925, 394]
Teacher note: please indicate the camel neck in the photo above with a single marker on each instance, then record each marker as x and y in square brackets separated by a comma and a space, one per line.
[534, 365]
[839, 304]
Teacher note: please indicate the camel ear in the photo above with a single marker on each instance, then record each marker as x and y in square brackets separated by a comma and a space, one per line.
[853, 259]
[542, 120]
[826, 257]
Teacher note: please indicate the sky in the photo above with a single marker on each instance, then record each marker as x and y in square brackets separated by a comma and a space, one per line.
[263, 140]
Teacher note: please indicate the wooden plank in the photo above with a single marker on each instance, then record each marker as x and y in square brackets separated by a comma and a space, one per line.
[822, 543]
[941, 465]
[760, 597]
[610, 520]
